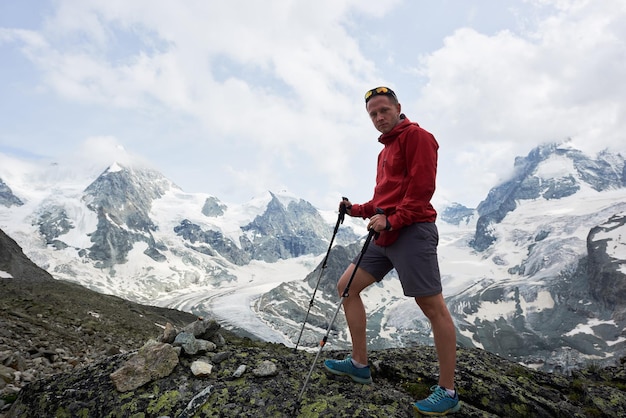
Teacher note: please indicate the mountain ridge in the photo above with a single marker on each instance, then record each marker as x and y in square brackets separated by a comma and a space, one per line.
[516, 271]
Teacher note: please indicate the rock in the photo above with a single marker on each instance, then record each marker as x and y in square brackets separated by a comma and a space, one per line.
[154, 360]
[196, 402]
[203, 328]
[240, 371]
[265, 369]
[201, 368]
[169, 334]
[205, 346]
[188, 342]
[16, 361]
[7, 374]
[219, 357]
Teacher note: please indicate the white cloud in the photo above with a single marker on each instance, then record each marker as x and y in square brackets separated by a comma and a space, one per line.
[493, 96]
[104, 150]
[247, 95]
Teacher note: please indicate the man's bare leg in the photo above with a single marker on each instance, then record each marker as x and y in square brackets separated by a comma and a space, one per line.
[444, 333]
[355, 311]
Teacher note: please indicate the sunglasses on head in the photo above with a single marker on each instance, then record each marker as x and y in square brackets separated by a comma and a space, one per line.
[378, 91]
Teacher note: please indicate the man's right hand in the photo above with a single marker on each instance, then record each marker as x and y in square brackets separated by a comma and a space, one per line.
[345, 203]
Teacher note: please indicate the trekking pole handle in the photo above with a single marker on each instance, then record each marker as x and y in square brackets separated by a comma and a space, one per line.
[379, 211]
[343, 208]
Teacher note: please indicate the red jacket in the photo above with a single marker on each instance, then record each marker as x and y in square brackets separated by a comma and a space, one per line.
[405, 179]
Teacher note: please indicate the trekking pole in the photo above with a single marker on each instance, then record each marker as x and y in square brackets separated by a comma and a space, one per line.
[342, 214]
[370, 235]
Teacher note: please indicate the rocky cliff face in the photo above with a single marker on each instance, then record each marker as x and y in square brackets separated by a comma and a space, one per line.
[280, 232]
[123, 198]
[285, 232]
[606, 267]
[68, 351]
[7, 198]
[456, 214]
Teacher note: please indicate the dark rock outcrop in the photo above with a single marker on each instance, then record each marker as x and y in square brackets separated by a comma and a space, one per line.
[213, 207]
[456, 214]
[607, 282]
[7, 198]
[14, 262]
[211, 242]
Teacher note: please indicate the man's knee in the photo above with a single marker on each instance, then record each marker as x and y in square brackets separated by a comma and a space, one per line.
[340, 287]
[344, 279]
[432, 306]
[360, 281]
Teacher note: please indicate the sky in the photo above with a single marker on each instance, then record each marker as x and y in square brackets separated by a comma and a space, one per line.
[240, 97]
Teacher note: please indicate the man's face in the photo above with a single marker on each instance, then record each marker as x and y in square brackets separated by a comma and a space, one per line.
[384, 113]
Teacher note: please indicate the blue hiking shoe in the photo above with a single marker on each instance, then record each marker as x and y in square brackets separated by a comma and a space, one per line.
[346, 368]
[438, 403]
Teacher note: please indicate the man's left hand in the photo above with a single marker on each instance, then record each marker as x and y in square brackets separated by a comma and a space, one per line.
[378, 223]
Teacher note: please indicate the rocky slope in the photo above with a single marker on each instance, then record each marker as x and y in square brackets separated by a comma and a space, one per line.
[66, 352]
[49, 326]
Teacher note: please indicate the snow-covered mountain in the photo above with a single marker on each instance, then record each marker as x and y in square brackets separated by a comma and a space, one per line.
[536, 273]
[131, 232]
[555, 241]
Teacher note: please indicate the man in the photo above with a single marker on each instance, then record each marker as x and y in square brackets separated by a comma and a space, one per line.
[407, 241]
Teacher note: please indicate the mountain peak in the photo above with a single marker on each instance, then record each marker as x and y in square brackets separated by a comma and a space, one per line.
[114, 168]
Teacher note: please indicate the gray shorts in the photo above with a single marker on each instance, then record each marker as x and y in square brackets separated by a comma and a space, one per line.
[413, 255]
